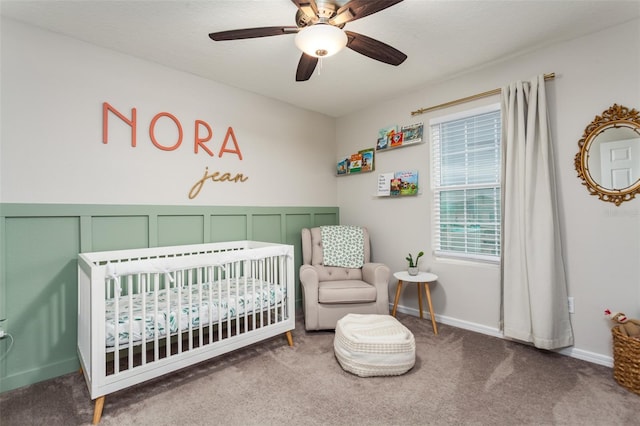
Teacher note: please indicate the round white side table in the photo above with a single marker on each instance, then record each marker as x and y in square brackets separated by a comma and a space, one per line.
[422, 278]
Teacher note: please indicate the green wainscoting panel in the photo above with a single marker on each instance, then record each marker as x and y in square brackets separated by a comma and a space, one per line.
[41, 290]
[324, 219]
[229, 228]
[119, 232]
[38, 264]
[294, 223]
[267, 228]
[179, 230]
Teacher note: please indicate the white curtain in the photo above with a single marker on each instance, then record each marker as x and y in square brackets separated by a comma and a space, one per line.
[534, 290]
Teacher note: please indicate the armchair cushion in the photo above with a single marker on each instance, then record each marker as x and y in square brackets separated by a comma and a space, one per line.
[349, 291]
[342, 246]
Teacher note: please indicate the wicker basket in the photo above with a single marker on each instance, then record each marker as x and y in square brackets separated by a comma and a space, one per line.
[626, 360]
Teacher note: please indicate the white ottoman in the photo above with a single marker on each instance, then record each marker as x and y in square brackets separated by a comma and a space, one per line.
[374, 345]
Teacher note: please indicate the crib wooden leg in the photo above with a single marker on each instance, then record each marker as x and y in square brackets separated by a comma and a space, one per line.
[289, 338]
[97, 410]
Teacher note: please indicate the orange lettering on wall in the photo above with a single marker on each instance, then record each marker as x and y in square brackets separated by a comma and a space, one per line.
[200, 142]
[203, 133]
[105, 122]
[235, 144]
[152, 133]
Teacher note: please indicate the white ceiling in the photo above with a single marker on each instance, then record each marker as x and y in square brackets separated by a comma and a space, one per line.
[441, 38]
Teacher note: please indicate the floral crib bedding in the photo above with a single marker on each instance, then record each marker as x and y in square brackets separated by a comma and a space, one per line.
[179, 307]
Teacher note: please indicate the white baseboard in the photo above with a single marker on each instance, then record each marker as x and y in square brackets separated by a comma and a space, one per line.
[593, 357]
[572, 352]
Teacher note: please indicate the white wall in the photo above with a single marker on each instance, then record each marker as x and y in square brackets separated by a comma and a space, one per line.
[53, 89]
[601, 241]
[51, 151]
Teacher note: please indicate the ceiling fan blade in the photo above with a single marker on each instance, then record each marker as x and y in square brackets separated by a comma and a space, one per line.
[374, 49]
[308, 7]
[356, 9]
[306, 66]
[252, 33]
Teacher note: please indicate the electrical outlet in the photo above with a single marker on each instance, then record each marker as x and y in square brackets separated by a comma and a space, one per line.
[2, 333]
[571, 305]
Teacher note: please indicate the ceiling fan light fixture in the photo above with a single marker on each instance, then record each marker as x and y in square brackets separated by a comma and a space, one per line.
[321, 40]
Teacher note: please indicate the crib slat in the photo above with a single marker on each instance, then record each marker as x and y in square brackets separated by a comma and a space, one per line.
[273, 290]
[186, 287]
[284, 284]
[220, 307]
[228, 281]
[277, 292]
[236, 275]
[210, 270]
[269, 284]
[178, 275]
[261, 279]
[167, 289]
[143, 291]
[156, 334]
[131, 319]
[116, 323]
[199, 279]
[253, 291]
[190, 316]
[267, 271]
[247, 309]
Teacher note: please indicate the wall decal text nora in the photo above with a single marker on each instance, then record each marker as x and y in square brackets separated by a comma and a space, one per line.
[199, 139]
[215, 177]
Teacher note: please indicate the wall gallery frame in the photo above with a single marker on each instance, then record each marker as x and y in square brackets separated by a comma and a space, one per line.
[400, 183]
[395, 137]
[361, 162]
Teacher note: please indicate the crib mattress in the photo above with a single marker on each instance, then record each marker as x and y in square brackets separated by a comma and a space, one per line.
[178, 308]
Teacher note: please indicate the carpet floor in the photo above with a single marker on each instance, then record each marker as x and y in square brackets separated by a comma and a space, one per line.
[460, 378]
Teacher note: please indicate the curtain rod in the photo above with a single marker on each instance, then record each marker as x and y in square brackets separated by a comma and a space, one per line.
[550, 76]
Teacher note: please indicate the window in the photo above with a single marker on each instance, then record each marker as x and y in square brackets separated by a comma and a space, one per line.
[466, 184]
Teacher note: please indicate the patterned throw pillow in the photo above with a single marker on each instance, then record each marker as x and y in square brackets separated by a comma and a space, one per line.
[343, 246]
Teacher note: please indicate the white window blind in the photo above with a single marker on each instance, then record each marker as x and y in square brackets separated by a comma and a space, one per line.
[466, 184]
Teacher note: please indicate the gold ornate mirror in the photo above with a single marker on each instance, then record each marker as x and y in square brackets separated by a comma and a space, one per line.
[608, 160]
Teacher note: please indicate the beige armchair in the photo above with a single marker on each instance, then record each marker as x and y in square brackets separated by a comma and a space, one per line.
[329, 292]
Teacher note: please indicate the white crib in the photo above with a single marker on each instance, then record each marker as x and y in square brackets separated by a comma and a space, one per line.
[143, 313]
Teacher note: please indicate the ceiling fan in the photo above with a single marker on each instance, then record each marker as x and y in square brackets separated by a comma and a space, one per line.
[324, 20]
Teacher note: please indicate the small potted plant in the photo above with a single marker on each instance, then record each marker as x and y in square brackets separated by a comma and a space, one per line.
[413, 264]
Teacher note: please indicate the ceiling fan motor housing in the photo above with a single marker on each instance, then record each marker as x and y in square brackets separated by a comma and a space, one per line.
[306, 16]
